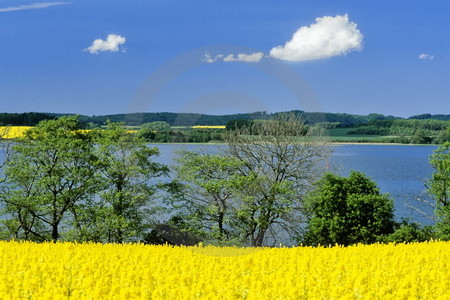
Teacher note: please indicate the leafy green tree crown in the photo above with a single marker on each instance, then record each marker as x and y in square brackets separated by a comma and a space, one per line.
[347, 211]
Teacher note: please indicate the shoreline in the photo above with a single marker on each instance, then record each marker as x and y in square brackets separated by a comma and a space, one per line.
[331, 143]
[381, 144]
[222, 143]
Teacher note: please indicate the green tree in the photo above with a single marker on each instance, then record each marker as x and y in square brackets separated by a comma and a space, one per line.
[130, 179]
[237, 124]
[49, 172]
[257, 183]
[439, 188]
[199, 136]
[420, 137]
[347, 211]
[280, 164]
[149, 130]
[207, 202]
[443, 136]
[157, 126]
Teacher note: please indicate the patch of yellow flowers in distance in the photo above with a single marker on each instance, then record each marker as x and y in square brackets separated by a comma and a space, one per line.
[12, 132]
[209, 127]
[136, 271]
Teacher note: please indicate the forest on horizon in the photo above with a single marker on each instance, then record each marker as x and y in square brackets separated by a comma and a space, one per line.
[328, 120]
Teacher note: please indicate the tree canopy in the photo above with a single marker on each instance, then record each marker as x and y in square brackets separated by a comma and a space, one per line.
[49, 172]
[347, 211]
[64, 183]
[254, 190]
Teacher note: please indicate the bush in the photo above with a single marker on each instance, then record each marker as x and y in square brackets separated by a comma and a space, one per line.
[347, 211]
[408, 233]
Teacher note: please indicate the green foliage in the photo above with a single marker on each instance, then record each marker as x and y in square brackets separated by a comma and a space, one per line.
[430, 116]
[406, 232]
[280, 165]
[70, 184]
[149, 131]
[439, 189]
[237, 124]
[420, 137]
[346, 211]
[252, 194]
[414, 131]
[328, 125]
[125, 165]
[92, 125]
[49, 173]
[207, 201]
[182, 136]
[156, 126]
[340, 120]
[443, 136]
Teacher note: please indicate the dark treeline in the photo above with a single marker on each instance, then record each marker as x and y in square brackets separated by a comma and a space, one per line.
[173, 119]
[182, 136]
[191, 119]
[24, 119]
[432, 117]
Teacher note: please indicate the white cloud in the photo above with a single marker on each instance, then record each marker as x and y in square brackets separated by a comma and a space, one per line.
[210, 59]
[32, 6]
[254, 57]
[426, 56]
[112, 43]
[229, 57]
[329, 36]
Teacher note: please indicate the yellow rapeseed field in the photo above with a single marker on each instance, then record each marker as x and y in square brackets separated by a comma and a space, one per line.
[136, 271]
[12, 132]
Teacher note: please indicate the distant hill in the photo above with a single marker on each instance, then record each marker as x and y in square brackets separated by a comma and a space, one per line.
[191, 119]
[329, 120]
[431, 117]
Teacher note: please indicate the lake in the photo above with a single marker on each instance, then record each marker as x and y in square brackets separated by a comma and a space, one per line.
[400, 170]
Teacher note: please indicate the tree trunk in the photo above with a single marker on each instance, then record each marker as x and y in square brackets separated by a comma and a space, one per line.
[259, 239]
[220, 221]
[55, 233]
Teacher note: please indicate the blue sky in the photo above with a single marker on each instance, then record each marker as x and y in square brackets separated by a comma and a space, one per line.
[373, 56]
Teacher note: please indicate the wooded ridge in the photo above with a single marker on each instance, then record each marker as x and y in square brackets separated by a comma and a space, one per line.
[333, 120]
